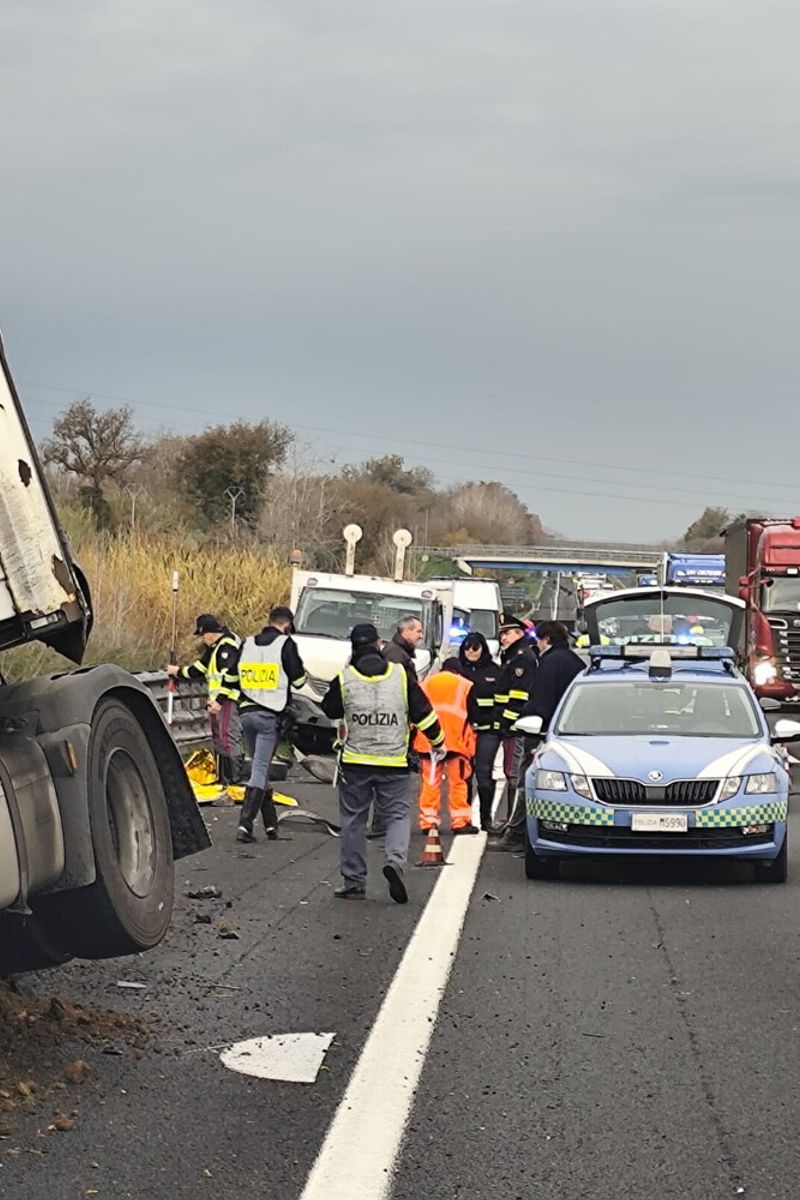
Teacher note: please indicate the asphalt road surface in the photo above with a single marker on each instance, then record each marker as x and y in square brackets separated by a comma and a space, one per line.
[619, 1033]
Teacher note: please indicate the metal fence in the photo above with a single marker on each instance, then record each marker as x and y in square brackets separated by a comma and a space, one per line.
[190, 719]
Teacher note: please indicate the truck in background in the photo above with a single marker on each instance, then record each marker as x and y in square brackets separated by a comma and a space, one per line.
[95, 804]
[704, 571]
[762, 558]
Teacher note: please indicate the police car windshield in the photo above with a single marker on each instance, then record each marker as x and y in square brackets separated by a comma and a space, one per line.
[332, 612]
[639, 707]
[688, 620]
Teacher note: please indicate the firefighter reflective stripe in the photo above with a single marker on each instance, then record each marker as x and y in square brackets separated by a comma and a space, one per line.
[485, 701]
[222, 683]
[262, 678]
[519, 695]
[375, 717]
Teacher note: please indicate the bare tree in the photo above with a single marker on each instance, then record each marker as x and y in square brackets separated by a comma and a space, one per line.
[98, 448]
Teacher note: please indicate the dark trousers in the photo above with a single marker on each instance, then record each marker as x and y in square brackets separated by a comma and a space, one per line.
[485, 754]
[390, 791]
[518, 812]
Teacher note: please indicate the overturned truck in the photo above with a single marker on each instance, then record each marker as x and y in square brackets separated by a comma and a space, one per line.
[95, 805]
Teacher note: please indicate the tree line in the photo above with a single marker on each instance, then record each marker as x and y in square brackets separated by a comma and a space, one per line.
[252, 479]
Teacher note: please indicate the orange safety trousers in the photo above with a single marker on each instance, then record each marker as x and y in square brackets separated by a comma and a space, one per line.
[459, 772]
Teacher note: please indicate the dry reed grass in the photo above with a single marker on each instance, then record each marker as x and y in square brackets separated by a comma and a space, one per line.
[131, 583]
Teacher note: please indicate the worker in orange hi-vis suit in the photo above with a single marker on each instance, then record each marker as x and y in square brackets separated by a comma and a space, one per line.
[448, 692]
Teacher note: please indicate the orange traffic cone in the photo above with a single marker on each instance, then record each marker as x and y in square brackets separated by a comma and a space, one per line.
[432, 854]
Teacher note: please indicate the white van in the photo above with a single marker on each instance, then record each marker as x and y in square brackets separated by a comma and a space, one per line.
[477, 606]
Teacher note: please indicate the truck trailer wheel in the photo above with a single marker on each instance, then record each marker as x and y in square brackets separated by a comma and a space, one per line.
[128, 907]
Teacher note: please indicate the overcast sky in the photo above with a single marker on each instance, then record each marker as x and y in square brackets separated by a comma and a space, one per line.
[491, 235]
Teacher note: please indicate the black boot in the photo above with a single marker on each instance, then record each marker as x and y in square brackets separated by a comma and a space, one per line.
[224, 772]
[251, 807]
[486, 798]
[269, 816]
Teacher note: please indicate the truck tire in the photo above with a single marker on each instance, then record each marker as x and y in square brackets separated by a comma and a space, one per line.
[776, 871]
[128, 907]
[25, 945]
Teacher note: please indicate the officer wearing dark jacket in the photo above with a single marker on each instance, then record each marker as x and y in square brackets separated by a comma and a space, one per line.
[558, 666]
[478, 666]
[514, 688]
[377, 704]
[269, 667]
[401, 648]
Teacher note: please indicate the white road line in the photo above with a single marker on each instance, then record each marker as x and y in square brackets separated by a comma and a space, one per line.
[358, 1155]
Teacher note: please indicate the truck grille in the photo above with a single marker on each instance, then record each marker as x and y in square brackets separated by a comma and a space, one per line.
[631, 791]
[787, 646]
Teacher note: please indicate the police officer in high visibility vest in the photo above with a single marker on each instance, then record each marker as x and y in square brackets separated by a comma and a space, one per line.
[269, 667]
[217, 665]
[376, 704]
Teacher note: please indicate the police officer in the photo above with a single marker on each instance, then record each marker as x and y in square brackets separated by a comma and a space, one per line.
[269, 667]
[217, 665]
[377, 704]
[514, 686]
[478, 666]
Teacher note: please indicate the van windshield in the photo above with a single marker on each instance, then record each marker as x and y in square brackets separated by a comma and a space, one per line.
[332, 612]
[477, 620]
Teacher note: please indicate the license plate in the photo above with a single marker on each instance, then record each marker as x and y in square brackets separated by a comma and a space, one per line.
[659, 822]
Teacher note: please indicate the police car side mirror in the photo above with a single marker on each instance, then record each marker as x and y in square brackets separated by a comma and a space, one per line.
[786, 731]
[769, 704]
[533, 725]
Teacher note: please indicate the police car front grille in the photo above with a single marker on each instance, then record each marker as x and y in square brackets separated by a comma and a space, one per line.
[622, 838]
[632, 792]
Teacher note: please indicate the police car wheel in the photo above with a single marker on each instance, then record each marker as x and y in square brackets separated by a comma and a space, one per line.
[776, 871]
[537, 867]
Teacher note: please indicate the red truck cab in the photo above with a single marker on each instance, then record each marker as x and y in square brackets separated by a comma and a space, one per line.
[762, 560]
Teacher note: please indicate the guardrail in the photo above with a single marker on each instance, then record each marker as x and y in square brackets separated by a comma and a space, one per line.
[190, 719]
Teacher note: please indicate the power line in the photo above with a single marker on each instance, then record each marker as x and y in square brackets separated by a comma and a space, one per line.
[482, 450]
[700, 496]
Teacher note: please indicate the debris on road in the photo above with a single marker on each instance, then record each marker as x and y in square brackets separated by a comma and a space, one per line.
[491, 896]
[76, 1072]
[285, 1057]
[62, 1123]
[210, 892]
[224, 931]
[131, 985]
[202, 919]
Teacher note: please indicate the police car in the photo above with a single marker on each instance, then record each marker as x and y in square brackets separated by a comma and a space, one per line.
[660, 747]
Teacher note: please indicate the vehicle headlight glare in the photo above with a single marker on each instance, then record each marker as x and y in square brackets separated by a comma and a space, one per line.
[761, 785]
[551, 781]
[730, 787]
[764, 672]
[580, 784]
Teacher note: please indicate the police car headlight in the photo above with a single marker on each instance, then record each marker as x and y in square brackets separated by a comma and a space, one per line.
[580, 784]
[761, 785]
[551, 781]
[730, 787]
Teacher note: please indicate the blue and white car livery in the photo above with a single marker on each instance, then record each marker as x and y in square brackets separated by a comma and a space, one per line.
[660, 749]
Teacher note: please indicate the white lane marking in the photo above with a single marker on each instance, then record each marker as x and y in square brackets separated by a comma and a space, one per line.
[289, 1057]
[360, 1148]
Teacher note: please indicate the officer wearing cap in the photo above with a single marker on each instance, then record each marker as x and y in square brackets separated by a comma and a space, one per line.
[514, 684]
[269, 667]
[217, 665]
[376, 704]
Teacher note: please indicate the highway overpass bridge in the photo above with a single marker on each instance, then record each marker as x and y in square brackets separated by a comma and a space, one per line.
[607, 558]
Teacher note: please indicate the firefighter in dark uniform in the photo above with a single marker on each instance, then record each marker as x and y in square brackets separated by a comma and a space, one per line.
[377, 704]
[514, 686]
[269, 667]
[478, 666]
[217, 666]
